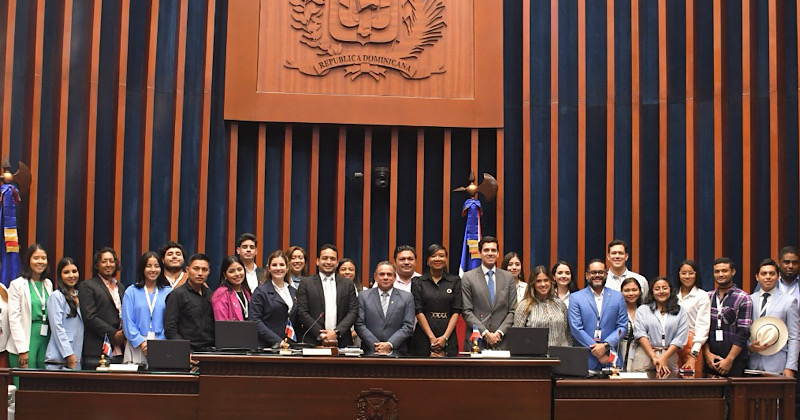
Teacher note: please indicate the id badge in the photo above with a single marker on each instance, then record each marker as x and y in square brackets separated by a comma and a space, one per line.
[43, 332]
[598, 335]
[151, 335]
[718, 335]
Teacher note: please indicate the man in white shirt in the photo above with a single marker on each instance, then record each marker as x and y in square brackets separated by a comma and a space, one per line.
[247, 250]
[617, 271]
[405, 264]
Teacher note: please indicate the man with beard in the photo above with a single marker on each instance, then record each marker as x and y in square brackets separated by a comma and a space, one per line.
[788, 265]
[731, 317]
[101, 304]
[172, 255]
[598, 316]
[405, 264]
[247, 249]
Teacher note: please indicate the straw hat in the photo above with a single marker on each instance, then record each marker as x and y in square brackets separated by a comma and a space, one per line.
[770, 331]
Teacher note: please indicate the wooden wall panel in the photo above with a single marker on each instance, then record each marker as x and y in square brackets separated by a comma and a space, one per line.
[177, 145]
[36, 115]
[8, 74]
[91, 141]
[147, 132]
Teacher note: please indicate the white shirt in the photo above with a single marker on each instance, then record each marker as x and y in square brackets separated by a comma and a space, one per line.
[598, 300]
[792, 289]
[565, 299]
[329, 290]
[252, 279]
[521, 287]
[284, 294]
[486, 277]
[614, 281]
[697, 307]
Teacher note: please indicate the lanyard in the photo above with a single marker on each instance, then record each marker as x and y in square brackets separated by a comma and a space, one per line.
[662, 323]
[42, 298]
[719, 308]
[151, 305]
[244, 304]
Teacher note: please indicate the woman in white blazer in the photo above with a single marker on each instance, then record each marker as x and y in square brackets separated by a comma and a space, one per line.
[5, 331]
[27, 315]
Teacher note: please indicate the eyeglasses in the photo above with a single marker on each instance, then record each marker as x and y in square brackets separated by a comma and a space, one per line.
[597, 273]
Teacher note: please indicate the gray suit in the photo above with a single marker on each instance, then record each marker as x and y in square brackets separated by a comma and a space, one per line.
[396, 327]
[478, 308]
[781, 306]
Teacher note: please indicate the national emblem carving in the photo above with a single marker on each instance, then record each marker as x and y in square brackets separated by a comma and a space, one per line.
[368, 37]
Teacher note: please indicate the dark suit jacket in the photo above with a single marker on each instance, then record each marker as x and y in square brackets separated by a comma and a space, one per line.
[311, 303]
[269, 310]
[100, 316]
[478, 308]
[396, 327]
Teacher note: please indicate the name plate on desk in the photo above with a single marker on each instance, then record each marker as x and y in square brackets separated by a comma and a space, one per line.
[318, 352]
[123, 367]
[492, 354]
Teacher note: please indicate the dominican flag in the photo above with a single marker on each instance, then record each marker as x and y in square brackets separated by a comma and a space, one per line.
[107, 349]
[612, 357]
[10, 264]
[470, 254]
[476, 335]
[290, 331]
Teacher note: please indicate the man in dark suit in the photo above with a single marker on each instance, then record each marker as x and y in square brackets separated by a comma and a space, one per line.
[327, 306]
[385, 314]
[101, 302]
[598, 316]
[247, 249]
[489, 297]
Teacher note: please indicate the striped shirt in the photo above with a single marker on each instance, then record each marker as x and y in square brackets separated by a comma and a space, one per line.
[550, 314]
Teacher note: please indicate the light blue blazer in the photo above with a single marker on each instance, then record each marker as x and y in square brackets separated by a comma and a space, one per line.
[583, 320]
[136, 314]
[66, 336]
[396, 327]
[783, 307]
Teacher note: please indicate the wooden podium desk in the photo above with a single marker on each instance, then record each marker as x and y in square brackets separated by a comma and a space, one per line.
[104, 395]
[356, 387]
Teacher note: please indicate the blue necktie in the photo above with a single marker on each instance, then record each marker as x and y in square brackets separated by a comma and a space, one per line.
[490, 273]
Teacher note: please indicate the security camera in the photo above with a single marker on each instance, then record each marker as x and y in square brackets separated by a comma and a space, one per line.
[380, 176]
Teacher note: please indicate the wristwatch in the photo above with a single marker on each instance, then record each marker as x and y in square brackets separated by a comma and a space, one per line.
[694, 354]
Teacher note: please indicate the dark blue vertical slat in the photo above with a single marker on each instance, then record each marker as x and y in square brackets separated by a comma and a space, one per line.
[163, 124]
[676, 136]
[354, 194]
[406, 205]
[106, 123]
[215, 242]
[328, 157]
[77, 131]
[487, 162]
[734, 206]
[649, 125]
[622, 120]
[596, 125]
[512, 153]
[790, 173]
[567, 129]
[22, 77]
[704, 76]
[459, 174]
[301, 147]
[192, 114]
[246, 178]
[271, 194]
[540, 134]
[432, 184]
[762, 184]
[379, 216]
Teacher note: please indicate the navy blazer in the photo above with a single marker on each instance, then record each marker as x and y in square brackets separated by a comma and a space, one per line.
[583, 320]
[396, 327]
[271, 313]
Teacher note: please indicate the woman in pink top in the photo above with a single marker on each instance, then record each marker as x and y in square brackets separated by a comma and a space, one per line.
[231, 301]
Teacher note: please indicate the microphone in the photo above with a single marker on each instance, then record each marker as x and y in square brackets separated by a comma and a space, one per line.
[303, 340]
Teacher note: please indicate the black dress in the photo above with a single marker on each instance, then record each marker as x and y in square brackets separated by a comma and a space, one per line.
[438, 302]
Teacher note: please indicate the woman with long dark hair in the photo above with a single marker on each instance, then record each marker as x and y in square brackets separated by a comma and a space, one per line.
[143, 308]
[513, 264]
[298, 264]
[27, 315]
[231, 301]
[437, 299]
[66, 322]
[565, 281]
[542, 309]
[274, 303]
[632, 293]
[348, 269]
[697, 305]
[661, 328]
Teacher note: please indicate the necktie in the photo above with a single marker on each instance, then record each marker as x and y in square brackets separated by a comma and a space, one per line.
[384, 302]
[490, 273]
[764, 304]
